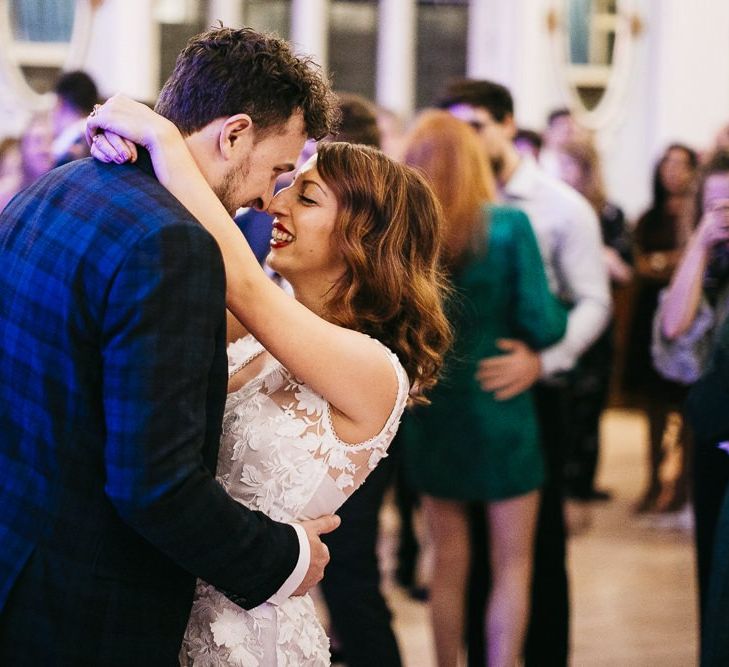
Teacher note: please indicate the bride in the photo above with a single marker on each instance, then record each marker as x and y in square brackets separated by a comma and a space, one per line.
[318, 382]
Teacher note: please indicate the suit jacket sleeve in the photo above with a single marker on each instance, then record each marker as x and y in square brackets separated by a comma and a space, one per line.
[164, 310]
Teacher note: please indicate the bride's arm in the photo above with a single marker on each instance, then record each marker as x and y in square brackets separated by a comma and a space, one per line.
[235, 328]
[351, 371]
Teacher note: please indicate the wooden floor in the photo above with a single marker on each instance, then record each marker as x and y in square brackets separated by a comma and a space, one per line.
[632, 583]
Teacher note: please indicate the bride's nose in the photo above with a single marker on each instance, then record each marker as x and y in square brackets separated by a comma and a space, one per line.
[278, 205]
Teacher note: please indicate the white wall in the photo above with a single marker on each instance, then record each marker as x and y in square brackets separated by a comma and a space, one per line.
[690, 69]
[678, 89]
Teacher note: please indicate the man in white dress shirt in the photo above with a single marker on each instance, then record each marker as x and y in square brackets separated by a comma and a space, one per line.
[568, 234]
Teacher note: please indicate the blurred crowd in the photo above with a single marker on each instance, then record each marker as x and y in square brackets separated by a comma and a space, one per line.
[558, 313]
[50, 139]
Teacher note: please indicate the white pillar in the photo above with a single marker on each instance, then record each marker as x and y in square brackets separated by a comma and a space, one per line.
[396, 48]
[310, 29]
[123, 55]
[230, 12]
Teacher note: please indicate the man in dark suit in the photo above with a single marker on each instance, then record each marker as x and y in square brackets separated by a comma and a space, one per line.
[113, 379]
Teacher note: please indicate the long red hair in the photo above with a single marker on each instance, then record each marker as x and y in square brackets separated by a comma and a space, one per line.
[446, 150]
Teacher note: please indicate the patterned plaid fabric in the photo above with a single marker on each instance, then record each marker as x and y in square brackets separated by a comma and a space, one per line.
[112, 386]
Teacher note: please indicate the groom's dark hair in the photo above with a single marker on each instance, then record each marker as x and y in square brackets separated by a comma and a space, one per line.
[224, 71]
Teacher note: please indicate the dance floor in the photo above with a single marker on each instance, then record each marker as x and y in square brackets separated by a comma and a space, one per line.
[633, 591]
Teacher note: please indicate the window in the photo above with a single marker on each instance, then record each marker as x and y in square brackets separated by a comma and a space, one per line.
[353, 46]
[441, 47]
[592, 26]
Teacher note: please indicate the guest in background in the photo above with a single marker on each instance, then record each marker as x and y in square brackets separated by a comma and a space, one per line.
[23, 162]
[359, 121]
[579, 166]
[10, 174]
[256, 227]
[721, 140]
[392, 129]
[528, 142]
[660, 237]
[561, 128]
[76, 94]
[707, 411]
[472, 445]
[569, 240]
[689, 324]
[36, 157]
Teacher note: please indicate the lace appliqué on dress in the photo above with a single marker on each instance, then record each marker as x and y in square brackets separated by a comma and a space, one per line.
[279, 454]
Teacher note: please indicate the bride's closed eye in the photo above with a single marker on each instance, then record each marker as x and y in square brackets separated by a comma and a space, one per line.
[307, 201]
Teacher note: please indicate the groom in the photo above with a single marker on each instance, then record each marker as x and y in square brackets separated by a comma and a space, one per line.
[113, 379]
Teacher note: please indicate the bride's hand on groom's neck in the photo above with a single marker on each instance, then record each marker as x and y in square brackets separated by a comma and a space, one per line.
[115, 129]
[107, 146]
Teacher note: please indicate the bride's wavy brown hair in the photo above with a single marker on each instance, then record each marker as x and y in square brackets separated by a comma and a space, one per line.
[388, 230]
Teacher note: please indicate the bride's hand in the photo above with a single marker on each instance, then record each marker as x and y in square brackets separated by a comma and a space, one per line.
[107, 146]
[113, 129]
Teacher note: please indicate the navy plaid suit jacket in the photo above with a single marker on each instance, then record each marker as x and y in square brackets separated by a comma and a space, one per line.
[112, 386]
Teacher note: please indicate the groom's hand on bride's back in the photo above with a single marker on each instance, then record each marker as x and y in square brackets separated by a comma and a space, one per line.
[318, 550]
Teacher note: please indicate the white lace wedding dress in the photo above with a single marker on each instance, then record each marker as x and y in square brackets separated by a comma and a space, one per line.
[279, 454]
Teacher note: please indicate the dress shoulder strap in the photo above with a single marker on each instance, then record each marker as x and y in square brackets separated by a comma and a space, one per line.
[241, 352]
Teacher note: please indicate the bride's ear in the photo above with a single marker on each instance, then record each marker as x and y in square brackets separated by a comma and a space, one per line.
[236, 135]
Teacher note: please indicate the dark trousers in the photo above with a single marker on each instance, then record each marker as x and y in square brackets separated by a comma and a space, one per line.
[710, 480]
[407, 501]
[715, 626]
[359, 614]
[589, 393]
[547, 640]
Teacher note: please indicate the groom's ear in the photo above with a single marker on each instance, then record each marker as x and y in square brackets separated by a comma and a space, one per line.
[236, 135]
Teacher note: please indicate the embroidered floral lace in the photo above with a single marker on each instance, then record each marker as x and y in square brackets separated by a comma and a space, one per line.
[279, 454]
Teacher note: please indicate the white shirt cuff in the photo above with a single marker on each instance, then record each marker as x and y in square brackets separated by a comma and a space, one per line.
[297, 576]
[554, 360]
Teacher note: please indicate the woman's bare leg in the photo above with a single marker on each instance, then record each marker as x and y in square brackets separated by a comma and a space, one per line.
[448, 524]
[512, 526]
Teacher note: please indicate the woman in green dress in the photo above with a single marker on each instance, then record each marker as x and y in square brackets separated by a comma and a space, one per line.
[468, 446]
